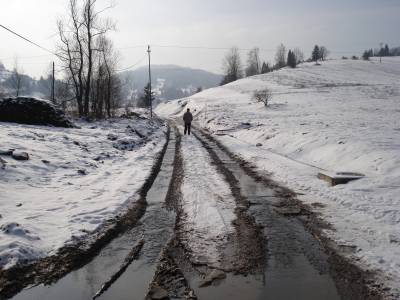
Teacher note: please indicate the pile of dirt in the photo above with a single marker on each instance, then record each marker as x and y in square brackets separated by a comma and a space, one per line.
[32, 111]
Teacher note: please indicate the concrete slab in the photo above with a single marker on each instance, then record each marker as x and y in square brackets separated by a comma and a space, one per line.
[340, 177]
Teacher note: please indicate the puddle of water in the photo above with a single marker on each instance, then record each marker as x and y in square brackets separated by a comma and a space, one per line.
[155, 227]
[261, 287]
[85, 282]
[296, 267]
[133, 284]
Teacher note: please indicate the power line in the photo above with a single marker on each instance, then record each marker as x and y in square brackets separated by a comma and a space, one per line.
[132, 66]
[217, 48]
[206, 47]
[26, 39]
[132, 47]
[26, 57]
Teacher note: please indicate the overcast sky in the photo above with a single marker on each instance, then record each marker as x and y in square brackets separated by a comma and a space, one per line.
[346, 27]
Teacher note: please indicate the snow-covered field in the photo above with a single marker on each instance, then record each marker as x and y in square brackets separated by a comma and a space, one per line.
[74, 181]
[343, 115]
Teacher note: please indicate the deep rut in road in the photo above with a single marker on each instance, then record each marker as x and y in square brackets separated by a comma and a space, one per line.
[296, 266]
[153, 231]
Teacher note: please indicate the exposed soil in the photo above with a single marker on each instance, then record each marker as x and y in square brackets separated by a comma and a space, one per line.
[174, 193]
[169, 277]
[69, 258]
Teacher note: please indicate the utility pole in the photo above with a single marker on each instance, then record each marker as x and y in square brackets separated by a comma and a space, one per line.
[53, 85]
[380, 52]
[150, 95]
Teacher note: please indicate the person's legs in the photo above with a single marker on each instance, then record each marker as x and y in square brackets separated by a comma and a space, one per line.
[186, 127]
[189, 125]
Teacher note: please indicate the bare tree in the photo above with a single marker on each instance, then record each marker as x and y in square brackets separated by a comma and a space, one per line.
[299, 55]
[264, 96]
[105, 80]
[323, 53]
[16, 78]
[280, 57]
[253, 62]
[79, 35]
[71, 53]
[232, 66]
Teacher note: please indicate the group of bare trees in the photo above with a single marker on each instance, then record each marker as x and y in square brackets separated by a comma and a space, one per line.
[88, 59]
[233, 68]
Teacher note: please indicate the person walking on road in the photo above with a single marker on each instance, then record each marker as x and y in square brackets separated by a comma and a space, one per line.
[187, 118]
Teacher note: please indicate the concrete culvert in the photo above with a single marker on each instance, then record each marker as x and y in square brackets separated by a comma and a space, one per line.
[32, 111]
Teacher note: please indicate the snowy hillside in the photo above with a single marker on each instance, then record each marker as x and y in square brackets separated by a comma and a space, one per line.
[74, 182]
[340, 116]
[169, 81]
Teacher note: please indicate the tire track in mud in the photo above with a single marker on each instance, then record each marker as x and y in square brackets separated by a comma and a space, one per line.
[351, 281]
[176, 271]
[248, 240]
[169, 278]
[50, 269]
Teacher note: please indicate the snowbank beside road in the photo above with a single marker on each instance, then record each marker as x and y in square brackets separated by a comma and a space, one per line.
[340, 116]
[74, 181]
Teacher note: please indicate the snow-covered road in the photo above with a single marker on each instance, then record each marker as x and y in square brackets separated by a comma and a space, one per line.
[207, 203]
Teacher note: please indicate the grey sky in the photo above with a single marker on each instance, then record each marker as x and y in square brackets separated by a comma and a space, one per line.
[345, 27]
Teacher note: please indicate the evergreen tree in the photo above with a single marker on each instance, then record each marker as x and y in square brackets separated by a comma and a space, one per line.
[315, 54]
[386, 51]
[366, 55]
[265, 68]
[291, 59]
[371, 53]
[147, 98]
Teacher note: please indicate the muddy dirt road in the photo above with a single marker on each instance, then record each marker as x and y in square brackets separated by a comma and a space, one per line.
[212, 229]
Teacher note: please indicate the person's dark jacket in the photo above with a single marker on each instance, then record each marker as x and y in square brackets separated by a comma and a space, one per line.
[188, 117]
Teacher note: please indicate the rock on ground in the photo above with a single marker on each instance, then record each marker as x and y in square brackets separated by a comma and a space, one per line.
[20, 155]
[211, 277]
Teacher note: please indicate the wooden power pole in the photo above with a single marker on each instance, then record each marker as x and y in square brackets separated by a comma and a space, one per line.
[53, 85]
[150, 95]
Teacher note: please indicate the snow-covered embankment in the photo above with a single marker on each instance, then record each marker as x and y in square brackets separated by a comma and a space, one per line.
[75, 180]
